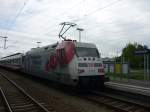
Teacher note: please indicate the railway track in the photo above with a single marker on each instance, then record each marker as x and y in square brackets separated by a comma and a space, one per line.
[17, 100]
[116, 103]
[4, 105]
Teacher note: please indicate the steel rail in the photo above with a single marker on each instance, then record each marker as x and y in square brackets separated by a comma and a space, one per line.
[5, 100]
[25, 93]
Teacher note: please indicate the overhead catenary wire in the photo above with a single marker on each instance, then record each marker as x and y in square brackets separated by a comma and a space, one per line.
[99, 9]
[62, 13]
[106, 6]
[11, 24]
[4, 23]
[16, 17]
[20, 11]
[92, 12]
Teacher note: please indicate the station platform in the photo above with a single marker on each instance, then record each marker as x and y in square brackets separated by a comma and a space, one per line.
[133, 86]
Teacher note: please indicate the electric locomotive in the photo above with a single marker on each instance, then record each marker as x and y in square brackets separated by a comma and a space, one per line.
[69, 62]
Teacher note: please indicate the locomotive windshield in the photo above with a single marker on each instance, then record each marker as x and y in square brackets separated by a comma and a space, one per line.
[86, 52]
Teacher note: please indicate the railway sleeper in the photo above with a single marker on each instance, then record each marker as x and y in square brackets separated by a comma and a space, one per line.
[18, 104]
[33, 109]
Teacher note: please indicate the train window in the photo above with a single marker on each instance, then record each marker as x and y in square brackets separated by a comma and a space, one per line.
[86, 52]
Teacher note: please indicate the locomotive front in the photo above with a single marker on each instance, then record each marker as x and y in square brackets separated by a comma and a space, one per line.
[89, 66]
[85, 67]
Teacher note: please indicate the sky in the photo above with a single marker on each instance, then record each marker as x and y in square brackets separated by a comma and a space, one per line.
[110, 24]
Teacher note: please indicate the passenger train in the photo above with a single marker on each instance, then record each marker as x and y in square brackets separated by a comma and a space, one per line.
[68, 62]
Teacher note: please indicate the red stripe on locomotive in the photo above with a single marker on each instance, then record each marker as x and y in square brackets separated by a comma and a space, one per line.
[65, 52]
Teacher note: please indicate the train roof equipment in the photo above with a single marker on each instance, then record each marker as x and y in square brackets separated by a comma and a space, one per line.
[16, 55]
[63, 31]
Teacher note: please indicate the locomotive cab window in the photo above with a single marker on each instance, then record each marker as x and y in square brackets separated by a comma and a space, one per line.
[87, 52]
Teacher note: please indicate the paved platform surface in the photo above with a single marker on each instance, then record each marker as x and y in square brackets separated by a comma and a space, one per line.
[141, 83]
[133, 86]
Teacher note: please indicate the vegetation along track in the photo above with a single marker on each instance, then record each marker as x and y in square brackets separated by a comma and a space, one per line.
[18, 100]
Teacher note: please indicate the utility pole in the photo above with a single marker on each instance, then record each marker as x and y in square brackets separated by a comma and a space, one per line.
[5, 40]
[80, 29]
[38, 44]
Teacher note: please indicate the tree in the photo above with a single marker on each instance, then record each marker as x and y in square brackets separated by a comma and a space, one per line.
[129, 56]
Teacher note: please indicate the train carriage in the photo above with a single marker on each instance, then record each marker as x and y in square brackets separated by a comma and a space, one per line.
[13, 61]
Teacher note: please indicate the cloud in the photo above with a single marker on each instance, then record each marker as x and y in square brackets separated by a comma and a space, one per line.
[110, 28]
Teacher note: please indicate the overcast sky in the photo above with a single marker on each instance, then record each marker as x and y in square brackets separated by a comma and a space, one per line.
[110, 24]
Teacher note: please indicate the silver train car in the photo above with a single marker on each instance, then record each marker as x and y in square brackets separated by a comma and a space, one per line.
[69, 62]
[13, 61]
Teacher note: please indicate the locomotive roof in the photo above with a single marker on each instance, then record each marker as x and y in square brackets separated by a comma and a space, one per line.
[83, 44]
[16, 55]
[77, 44]
[39, 49]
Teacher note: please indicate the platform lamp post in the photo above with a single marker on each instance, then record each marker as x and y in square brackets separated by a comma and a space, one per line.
[80, 29]
[5, 40]
[38, 44]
